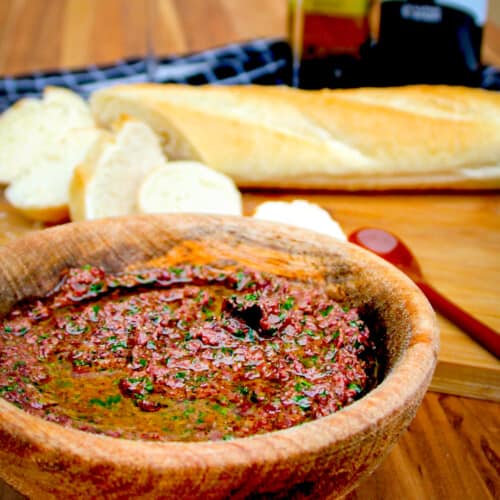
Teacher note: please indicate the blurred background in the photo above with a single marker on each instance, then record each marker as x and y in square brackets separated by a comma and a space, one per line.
[41, 35]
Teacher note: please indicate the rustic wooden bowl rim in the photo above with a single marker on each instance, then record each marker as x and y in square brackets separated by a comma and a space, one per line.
[398, 387]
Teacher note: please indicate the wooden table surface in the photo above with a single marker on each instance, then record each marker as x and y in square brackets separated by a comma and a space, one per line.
[451, 449]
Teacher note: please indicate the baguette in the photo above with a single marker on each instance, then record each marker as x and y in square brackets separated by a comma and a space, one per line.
[414, 137]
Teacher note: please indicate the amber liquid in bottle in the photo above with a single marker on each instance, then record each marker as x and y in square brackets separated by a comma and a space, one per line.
[327, 37]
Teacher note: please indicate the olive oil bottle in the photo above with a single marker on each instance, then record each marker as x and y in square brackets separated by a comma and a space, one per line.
[327, 38]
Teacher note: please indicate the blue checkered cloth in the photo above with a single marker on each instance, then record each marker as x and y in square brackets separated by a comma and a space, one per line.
[264, 61]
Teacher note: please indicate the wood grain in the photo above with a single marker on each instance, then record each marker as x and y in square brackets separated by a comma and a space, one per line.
[36, 34]
[452, 448]
[448, 452]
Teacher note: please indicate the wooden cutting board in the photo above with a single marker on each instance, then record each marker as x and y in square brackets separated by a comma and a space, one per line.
[456, 238]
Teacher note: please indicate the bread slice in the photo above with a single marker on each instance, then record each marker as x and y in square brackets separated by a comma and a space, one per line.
[300, 213]
[186, 186]
[42, 192]
[30, 131]
[106, 183]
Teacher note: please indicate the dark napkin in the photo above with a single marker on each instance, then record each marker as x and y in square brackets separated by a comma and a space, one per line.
[262, 61]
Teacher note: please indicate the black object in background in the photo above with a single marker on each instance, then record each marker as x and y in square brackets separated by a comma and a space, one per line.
[427, 42]
[334, 71]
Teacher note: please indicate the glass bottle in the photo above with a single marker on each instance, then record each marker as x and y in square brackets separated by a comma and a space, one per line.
[327, 38]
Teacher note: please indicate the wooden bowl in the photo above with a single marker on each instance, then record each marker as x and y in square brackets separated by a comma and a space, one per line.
[328, 456]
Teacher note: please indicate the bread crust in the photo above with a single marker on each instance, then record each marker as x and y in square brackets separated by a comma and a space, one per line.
[415, 137]
[44, 214]
[82, 176]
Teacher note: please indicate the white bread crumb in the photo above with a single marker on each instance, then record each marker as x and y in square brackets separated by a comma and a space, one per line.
[187, 186]
[302, 214]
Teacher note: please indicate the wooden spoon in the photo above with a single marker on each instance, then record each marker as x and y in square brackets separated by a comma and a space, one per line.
[391, 248]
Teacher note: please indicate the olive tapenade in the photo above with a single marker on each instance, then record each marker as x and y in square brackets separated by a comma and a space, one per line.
[184, 353]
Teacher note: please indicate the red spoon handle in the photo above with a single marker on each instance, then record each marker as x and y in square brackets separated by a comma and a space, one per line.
[482, 333]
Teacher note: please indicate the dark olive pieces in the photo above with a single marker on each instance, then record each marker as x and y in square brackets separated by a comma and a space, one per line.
[184, 353]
